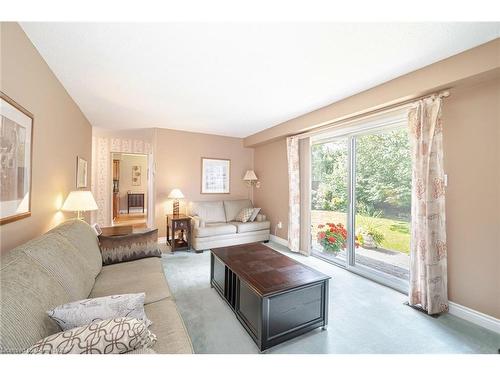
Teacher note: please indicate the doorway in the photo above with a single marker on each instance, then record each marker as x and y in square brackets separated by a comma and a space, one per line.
[361, 199]
[130, 189]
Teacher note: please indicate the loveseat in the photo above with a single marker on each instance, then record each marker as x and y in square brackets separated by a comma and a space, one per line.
[65, 265]
[214, 225]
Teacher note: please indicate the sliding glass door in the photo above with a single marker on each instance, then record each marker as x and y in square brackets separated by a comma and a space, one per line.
[361, 201]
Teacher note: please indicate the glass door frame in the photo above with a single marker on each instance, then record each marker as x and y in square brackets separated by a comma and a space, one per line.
[351, 134]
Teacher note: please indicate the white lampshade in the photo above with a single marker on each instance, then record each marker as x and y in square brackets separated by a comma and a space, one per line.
[250, 176]
[176, 194]
[80, 200]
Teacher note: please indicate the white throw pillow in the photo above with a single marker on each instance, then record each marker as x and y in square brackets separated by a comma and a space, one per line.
[80, 313]
[110, 336]
[254, 214]
[244, 215]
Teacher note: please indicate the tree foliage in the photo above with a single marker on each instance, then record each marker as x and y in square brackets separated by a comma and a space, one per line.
[383, 175]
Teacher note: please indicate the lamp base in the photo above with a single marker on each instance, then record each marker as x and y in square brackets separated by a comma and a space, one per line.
[175, 210]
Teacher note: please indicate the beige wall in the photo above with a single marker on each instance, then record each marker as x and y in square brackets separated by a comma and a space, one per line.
[127, 162]
[471, 118]
[61, 132]
[270, 163]
[178, 165]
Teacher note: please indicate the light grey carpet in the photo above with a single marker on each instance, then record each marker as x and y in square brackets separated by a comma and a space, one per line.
[364, 317]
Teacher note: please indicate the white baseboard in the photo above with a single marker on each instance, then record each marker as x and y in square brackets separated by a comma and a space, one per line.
[278, 240]
[162, 239]
[476, 317]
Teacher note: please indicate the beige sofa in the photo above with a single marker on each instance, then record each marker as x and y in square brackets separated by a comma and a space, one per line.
[214, 225]
[65, 265]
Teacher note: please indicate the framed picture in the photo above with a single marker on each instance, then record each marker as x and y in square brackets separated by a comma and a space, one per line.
[81, 172]
[16, 141]
[215, 176]
[136, 175]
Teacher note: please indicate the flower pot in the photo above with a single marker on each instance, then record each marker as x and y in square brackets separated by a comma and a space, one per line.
[368, 242]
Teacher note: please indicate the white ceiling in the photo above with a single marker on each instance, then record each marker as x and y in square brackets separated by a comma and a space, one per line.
[234, 79]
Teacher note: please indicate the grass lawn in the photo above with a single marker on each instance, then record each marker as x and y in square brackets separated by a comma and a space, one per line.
[396, 233]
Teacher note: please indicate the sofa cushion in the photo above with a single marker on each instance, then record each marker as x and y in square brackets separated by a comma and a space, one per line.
[233, 207]
[28, 290]
[208, 211]
[168, 327]
[251, 226]
[142, 351]
[143, 275]
[214, 229]
[64, 262]
[83, 237]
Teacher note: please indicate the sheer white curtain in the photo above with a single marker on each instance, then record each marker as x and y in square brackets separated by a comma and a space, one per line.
[298, 155]
[428, 266]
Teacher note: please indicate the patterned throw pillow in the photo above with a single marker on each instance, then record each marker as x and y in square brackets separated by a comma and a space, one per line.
[117, 249]
[79, 313]
[111, 336]
[244, 215]
[254, 214]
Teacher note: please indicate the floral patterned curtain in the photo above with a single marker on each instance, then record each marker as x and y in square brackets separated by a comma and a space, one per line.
[292, 146]
[428, 267]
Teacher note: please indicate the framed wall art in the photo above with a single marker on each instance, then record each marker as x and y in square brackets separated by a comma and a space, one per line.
[215, 176]
[81, 172]
[136, 175]
[16, 141]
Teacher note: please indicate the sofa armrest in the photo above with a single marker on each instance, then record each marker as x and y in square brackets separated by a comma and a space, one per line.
[116, 249]
[261, 217]
[197, 222]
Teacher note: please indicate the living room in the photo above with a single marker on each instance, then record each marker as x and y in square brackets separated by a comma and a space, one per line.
[244, 189]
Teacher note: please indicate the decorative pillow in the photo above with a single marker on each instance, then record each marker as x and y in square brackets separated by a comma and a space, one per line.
[244, 215]
[111, 336]
[117, 249]
[80, 313]
[254, 214]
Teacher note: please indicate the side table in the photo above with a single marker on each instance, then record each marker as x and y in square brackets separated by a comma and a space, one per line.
[179, 228]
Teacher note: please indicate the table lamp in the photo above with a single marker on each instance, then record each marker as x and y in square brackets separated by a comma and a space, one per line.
[176, 194]
[80, 201]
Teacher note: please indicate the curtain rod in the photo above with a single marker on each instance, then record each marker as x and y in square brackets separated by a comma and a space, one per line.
[400, 105]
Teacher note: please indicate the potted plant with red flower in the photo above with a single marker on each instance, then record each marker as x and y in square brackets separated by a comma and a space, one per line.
[333, 237]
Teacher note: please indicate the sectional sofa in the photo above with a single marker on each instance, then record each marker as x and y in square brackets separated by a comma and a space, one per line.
[65, 265]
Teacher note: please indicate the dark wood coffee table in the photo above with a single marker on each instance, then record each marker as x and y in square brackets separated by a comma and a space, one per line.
[274, 297]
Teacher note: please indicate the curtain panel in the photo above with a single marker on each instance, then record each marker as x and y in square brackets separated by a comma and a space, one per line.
[298, 155]
[292, 148]
[428, 265]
